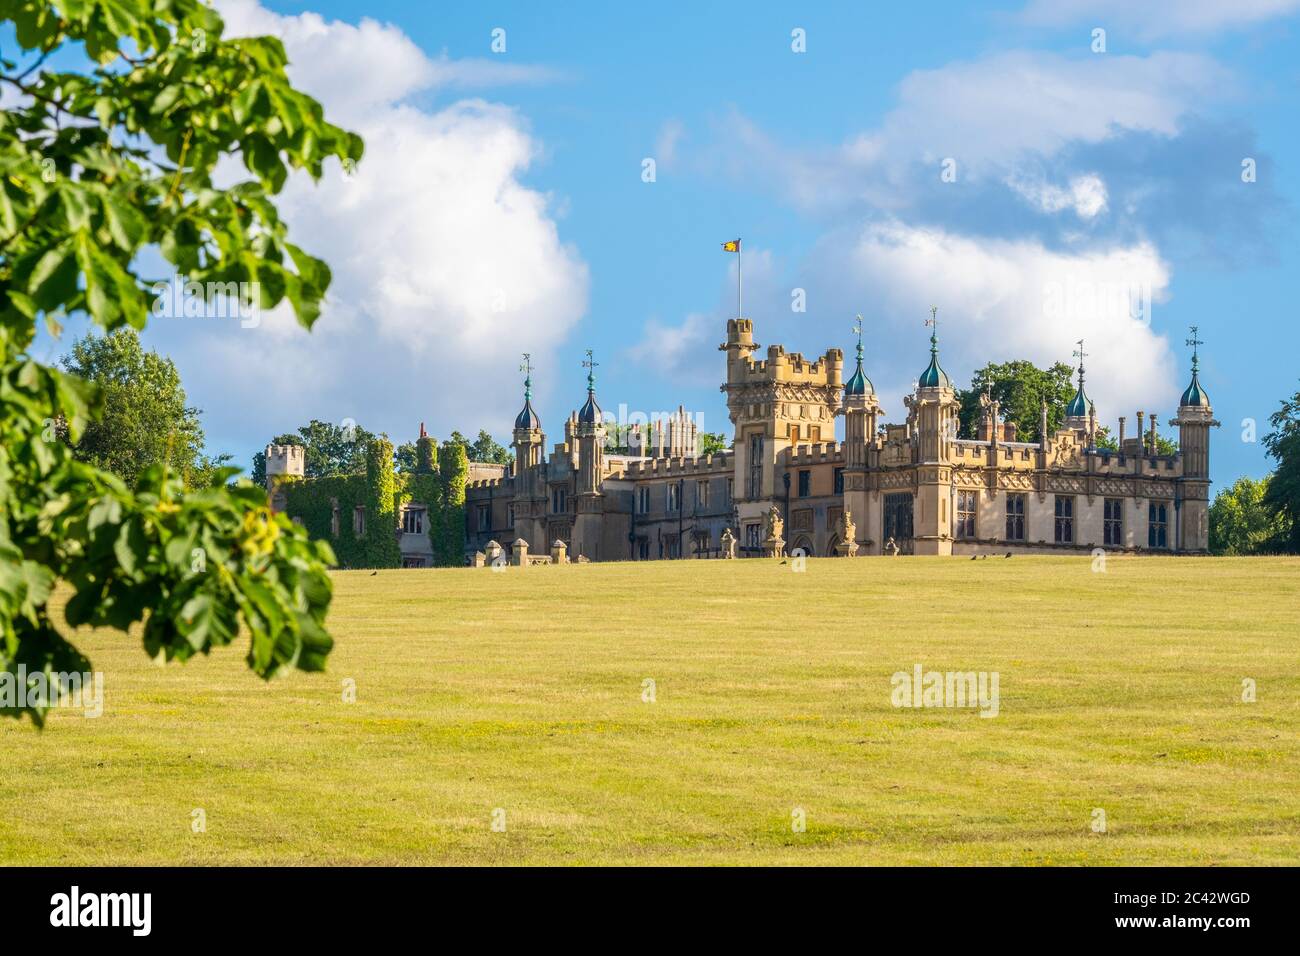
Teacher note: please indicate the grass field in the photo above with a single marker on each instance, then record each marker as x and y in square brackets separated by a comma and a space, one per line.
[523, 691]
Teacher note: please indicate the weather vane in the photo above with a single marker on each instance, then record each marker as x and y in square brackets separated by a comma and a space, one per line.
[1194, 342]
[590, 364]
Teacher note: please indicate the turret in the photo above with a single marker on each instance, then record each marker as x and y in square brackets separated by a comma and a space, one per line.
[529, 442]
[1194, 421]
[1076, 413]
[935, 412]
[589, 432]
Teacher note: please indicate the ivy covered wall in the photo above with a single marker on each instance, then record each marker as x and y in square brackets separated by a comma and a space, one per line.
[438, 483]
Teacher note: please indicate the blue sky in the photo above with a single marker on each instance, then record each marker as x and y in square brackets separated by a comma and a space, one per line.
[501, 207]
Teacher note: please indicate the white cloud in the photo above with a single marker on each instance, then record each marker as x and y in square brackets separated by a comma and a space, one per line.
[1004, 299]
[998, 300]
[989, 115]
[441, 256]
[1085, 195]
[1157, 18]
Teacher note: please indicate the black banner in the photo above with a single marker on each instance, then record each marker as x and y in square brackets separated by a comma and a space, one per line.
[334, 905]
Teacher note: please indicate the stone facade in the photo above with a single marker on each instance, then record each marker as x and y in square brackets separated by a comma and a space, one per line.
[909, 488]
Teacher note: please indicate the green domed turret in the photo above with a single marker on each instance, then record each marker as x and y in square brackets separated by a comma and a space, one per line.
[934, 376]
[1195, 396]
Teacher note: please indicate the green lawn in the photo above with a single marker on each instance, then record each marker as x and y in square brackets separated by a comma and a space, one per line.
[522, 690]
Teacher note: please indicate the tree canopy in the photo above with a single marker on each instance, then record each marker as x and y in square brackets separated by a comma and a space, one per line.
[1020, 386]
[1283, 493]
[105, 167]
[146, 417]
[1240, 520]
[329, 449]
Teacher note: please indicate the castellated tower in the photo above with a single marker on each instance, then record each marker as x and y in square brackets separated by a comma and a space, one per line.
[529, 444]
[934, 409]
[283, 461]
[774, 405]
[1194, 421]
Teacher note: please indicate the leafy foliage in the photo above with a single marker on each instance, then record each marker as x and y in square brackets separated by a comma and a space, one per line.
[713, 443]
[485, 448]
[1241, 522]
[146, 418]
[99, 168]
[326, 506]
[329, 450]
[1283, 493]
[1020, 387]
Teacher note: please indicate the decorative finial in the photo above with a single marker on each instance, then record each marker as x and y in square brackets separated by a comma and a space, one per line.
[590, 365]
[1194, 342]
[1080, 354]
[933, 320]
[527, 368]
[857, 329]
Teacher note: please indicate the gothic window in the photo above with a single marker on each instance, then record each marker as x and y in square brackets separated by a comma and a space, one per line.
[755, 486]
[334, 517]
[752, 535]
[730, 489]
[839, 481]
[805, 483]
[966, 508]
[674, 495]
[413, 520]
[702, 541]
[1157, 525]
[558, 500]
[510, 515]
[1112, 527]
[359, 521]
[643, 500]
[1064, 519]
[702, 494]
[1015, 517]
[898, 516]
[484, 519]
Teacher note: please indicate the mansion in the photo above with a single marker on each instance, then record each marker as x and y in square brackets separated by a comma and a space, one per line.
[786, 485]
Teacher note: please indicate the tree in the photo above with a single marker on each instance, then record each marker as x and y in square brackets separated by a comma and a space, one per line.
[713, 443]
[103, 166]
[1282, 496]
[1240, 520]
[329, 449]
[483, 449]
[406, 457]
[1020, 387]
[146, 417]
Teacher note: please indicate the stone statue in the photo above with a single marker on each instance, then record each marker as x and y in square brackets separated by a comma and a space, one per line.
[774, 527]
[847, 532]
[774, 536]
[728, 543]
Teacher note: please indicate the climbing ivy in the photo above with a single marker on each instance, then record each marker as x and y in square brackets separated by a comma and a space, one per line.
[383, 494]
[453, 475]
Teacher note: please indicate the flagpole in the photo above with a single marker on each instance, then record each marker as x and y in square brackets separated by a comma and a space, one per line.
[740, 276]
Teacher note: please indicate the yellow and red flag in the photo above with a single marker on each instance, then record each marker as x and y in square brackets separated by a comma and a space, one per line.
[732, 246]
